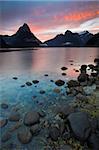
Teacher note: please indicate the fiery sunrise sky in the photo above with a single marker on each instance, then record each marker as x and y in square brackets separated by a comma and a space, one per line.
[46, 18]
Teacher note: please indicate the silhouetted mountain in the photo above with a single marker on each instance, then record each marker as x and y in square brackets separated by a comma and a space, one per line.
[25, 38]
[94, 41]
[85, 36]
[22, 38]
[69, 39]
[3, 43]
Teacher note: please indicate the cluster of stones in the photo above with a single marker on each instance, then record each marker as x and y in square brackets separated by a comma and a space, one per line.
[29, 125]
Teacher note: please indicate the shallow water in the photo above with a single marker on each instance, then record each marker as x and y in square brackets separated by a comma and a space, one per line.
[33, 64]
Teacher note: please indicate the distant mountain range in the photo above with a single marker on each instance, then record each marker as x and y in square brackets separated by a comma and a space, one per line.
[25, 38]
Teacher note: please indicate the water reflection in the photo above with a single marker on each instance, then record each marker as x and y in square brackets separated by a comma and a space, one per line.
[46, 60]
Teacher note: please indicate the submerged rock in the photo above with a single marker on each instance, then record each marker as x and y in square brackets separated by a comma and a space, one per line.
[4, 106]
[59, 82]
[51, 80]
[46, 75]
[3, 122]
[31, 118]
[15, 116]
[42, 92]
[64, 68]
[23, 85]
[80, 125]
[35, 129]
[28, 83]
[24, 135]
[72, 83]
[15, 78]
[6, 136]
[35, 81]
[56, 90]
[63, 74]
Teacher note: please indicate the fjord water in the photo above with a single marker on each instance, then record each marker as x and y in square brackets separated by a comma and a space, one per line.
[31, 65]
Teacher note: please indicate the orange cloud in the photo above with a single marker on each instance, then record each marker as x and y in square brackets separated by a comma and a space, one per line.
[80, 16]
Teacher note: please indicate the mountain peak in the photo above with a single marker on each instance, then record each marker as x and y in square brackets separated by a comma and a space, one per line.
[68, 32]
[24, 28]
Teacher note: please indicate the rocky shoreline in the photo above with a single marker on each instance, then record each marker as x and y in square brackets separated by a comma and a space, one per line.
[72, 125]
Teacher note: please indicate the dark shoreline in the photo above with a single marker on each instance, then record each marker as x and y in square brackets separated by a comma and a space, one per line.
[33, 48]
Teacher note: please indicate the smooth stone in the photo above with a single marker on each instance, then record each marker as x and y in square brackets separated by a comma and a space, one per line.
[72, 83]
[64, 68]
[28, 83]
[3, 122]
[22, 85]
[76, 70]
[31, 118]
[46, 75]
[6, 136]
[42, 92]
[59, 82]
[14, 116]
[24, 135]
[64, 110]
[56, 90]
[35, 81]
[54, 133]
[80, 125]
[4, 106]
[83, 77]
[35, 129]
[63, 74]
[93, 141]
[15, 78]
[91, 66]
[96, 60]
[9, 146]
[15, 126]
[51, 80]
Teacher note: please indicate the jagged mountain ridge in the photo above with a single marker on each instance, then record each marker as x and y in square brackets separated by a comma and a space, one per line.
[25, 38]
[22, 38]
[70, 39]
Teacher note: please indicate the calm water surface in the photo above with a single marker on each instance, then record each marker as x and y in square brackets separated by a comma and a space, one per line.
[33, 64]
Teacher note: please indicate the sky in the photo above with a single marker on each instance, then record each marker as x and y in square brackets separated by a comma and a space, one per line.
[46, 18]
